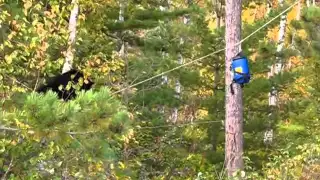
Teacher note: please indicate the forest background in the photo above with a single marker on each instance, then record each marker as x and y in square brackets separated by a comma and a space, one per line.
[171, 126]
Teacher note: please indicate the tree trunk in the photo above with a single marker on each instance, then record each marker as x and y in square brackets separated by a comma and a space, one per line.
[282, 30]
[174, 116]
[298, 11]
[274, 70]
[277, 68]
[164, 54]
[217, 8]
[234, 107]
[72, 37]
[67, 66]
[269, 7]
[123, 54]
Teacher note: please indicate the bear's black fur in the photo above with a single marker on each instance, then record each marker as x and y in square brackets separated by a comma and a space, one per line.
[63, 79]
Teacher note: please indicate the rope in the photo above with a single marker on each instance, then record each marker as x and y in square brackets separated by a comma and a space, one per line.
[210, 54]
[177, 125]
[4, 128]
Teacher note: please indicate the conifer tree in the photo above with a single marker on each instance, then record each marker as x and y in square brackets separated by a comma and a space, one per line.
[234, 106]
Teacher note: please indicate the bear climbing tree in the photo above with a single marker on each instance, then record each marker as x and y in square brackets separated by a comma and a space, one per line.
[65, 84]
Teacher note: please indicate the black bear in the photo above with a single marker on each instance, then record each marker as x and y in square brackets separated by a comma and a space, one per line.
[59, 83]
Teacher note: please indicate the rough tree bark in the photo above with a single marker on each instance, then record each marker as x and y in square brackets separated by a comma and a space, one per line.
[233, 104]
[67, 66]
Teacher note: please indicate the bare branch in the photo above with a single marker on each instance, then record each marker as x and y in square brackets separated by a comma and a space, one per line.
[8, 170]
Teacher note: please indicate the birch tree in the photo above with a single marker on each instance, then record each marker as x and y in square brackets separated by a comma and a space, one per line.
[164, 54]
[275, 70]
[72, 36]
[186, 20]
[123, 52]
[233, 103]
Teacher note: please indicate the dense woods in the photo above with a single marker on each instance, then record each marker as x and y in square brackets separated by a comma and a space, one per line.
[160, 102]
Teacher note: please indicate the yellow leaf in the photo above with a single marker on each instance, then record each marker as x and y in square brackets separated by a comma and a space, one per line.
[42, 63]
[98, 61]
[302, 33]
[26, 6]
[14, 142]
[8, 59]
[105, 69]
[121, 165]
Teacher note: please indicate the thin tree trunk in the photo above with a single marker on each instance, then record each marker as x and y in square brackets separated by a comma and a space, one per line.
[72, 37]
[298, 10]
[217, 8]
[275, 70]
[269, 7]
[289, 64]
[174, 116]
[308, 3]
[216, 65]
[282, 30]
[234, 107]
[67, 66]
[164, 81]
[164, 55]
[123, 54]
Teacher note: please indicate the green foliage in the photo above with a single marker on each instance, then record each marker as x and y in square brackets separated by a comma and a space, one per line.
[94, 124]
[92, 135]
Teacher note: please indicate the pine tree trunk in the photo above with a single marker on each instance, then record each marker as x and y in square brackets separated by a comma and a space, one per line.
[234, 107]
[72, 36]
[308, 3]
